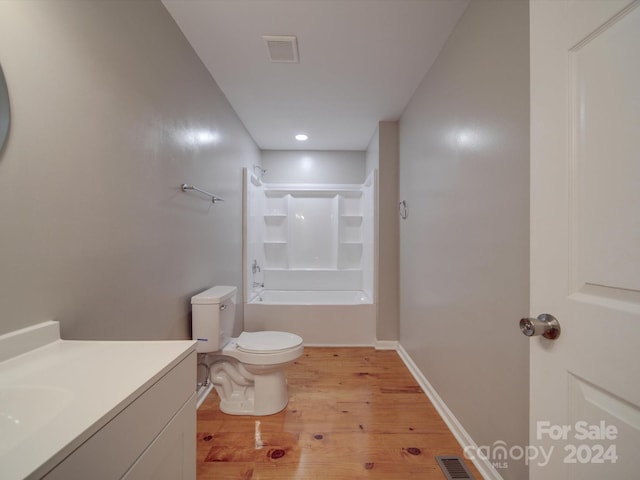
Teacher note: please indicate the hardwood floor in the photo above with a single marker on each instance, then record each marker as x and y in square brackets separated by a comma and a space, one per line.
[352, 413]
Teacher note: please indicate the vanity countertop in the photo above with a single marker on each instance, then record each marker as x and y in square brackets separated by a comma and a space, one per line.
[55, 396]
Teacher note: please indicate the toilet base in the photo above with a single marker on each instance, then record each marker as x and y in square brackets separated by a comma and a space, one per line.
[244, 390]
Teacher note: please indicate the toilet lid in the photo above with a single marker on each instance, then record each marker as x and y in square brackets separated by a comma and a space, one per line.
[267, 342]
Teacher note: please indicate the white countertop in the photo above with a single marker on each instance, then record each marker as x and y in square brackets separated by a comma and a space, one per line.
[54, 397]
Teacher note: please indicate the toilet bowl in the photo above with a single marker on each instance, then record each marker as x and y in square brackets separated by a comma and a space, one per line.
[248, 371]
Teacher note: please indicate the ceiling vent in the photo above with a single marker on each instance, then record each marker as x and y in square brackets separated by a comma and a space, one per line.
[282, 48]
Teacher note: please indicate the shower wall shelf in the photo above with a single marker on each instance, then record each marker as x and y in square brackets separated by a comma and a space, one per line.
[286, 245]
[274, 190]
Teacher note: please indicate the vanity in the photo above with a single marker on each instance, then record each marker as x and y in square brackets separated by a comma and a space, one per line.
[73, 409]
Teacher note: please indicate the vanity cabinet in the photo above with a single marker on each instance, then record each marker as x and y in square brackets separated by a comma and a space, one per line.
[154, 437]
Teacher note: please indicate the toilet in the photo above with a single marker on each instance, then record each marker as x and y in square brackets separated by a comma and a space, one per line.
[248, 371]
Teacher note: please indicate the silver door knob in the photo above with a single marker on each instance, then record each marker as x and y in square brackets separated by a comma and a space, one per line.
[546, 325]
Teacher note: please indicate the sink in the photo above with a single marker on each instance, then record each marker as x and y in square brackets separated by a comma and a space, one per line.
[24, 410]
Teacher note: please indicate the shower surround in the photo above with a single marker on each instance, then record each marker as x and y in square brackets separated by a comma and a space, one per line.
[309, 263]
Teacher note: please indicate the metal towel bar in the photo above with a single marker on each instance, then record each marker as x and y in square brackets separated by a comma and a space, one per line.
[214, 198]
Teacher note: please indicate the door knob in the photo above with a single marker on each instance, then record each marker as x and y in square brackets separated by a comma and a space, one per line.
[546, 325]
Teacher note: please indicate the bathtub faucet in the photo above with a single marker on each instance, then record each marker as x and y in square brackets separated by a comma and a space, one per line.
[258, 284]
[255, 268]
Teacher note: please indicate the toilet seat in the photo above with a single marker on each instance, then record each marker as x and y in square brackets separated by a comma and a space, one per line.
[267, 342]
[264, 348]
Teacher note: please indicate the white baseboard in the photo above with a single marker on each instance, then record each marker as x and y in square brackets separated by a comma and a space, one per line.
[485, 468]
[386, 345]
[378, 345]
[202, 394]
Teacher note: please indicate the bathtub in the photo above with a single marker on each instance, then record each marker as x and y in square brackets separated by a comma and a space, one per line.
[321, 318]
[310, 297]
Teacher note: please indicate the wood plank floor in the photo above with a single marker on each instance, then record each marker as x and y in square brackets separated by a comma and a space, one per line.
[352, 413]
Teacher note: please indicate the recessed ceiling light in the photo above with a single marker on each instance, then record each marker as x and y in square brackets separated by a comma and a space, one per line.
[301, 137]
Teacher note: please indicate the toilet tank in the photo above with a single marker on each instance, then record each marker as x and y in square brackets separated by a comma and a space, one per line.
[212, 318]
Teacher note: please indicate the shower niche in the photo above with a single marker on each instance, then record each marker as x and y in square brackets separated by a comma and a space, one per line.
[310, 237]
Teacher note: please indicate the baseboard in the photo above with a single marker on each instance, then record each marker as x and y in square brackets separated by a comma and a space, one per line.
[202, 393]
[378, 345]
[485, 468]
[386, 345]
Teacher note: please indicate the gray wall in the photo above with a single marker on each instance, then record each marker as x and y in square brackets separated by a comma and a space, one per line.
[464, 277]
[313, 166]
[108, 103]
[382, 154]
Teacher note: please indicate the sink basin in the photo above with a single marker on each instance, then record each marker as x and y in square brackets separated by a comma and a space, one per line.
[24, 410]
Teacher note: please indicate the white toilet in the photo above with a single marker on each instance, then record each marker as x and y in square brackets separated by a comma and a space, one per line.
[248, 371]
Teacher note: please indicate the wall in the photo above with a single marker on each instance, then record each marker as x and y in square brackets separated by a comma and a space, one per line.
[300, 166]
[464, 248]
[382, 154]
[372, 155]
[112, 112]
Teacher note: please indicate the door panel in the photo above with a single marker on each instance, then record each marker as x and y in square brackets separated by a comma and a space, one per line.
[606, 193]
[600, 419]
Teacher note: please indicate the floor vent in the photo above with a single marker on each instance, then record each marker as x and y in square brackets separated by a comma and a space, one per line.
[454, 468]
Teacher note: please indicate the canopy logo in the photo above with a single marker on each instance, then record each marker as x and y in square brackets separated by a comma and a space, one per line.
[581, 442]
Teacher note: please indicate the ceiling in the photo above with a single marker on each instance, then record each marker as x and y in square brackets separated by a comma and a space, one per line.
[360, 62]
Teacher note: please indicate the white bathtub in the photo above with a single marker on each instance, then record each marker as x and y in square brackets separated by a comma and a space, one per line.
[335, 318]
[310, 297]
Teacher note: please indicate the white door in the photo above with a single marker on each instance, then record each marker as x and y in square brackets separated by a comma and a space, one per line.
[585, 238]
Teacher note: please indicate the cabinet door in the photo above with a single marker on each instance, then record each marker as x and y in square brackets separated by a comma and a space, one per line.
[172, 455]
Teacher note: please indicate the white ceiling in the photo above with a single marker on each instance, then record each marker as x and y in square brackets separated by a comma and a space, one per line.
[360, 62]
